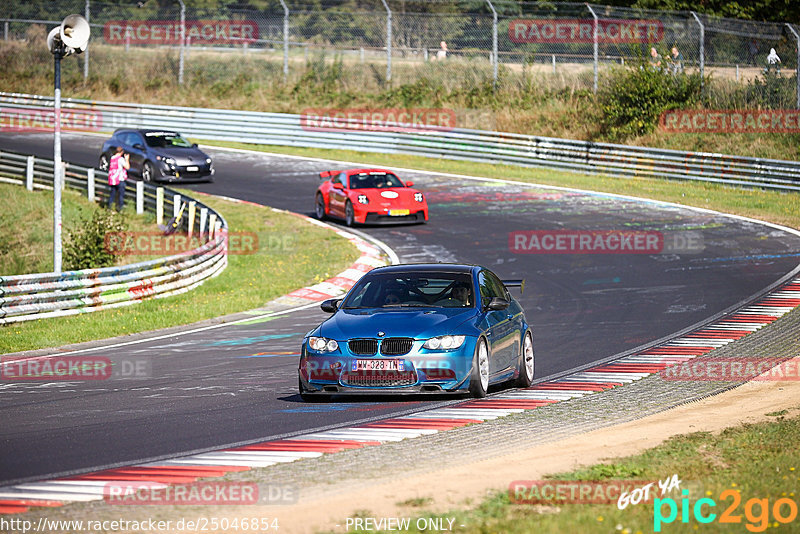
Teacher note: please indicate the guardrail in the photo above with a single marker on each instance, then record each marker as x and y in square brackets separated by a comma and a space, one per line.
[38, 296]
[24, 111]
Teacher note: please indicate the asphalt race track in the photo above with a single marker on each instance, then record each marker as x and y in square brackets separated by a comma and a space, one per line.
[238, 383]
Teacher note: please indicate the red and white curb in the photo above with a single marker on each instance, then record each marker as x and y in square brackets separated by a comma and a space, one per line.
[371, 257]
[91, 486]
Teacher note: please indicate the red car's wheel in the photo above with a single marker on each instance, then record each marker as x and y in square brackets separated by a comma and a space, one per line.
[349, 214]
[319, 207]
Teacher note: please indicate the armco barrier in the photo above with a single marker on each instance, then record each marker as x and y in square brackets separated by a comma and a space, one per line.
[25, 112]
[38, 296]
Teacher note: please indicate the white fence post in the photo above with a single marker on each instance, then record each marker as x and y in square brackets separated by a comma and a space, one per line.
[702, 48]
[160, 205]
[203, 219]
[285, 40]
[29, 174]
[595, 23]
[494, 42]
[90, 184]
[86, 52]
[212, 225]
[192, 212]
[139, 197]
[183, 42]
[388, 41]
[176, 205]
[797, 67]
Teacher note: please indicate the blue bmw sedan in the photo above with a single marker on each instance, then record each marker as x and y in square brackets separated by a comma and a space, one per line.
[422, 328]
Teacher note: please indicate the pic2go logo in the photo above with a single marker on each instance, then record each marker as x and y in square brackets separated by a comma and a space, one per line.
[756, 511]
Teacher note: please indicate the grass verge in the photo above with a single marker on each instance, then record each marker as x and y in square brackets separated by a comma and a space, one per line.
[290, 254]
[26, 227]
[772, 206]
[748, 462]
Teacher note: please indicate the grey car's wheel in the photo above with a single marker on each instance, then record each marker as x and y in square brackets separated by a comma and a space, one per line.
[526, 361]
[103, 162]
[479, 377]
[147, 172]
[349, 214]
[319, 207]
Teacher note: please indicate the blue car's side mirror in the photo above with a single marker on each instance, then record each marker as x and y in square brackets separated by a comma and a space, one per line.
[330, 305]
[497, 304]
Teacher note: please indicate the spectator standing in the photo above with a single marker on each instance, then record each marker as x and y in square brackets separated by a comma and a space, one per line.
[752, 52]
[773, 61]
[442, 52]
[117, 175]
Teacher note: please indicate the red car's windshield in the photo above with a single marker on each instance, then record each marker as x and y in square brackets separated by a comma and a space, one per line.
[374, 180]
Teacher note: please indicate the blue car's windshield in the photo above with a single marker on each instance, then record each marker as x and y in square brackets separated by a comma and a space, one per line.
[410, 290]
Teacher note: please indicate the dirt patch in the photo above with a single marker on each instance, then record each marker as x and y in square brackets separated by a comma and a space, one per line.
[468, 484]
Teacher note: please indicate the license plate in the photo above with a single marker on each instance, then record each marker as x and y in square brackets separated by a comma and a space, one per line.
[193, 168]
[398, 212]
[378, 365]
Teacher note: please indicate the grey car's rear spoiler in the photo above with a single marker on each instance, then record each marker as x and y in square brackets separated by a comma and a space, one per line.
[515, 283]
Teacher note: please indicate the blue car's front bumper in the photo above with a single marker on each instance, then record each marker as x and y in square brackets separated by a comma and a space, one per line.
[419, 371]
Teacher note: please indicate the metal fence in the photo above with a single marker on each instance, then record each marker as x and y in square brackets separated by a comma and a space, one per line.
[38, 296]
[455, 143]
[563, 44]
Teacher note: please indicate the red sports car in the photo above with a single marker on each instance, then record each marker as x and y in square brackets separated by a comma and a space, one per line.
[369, 196]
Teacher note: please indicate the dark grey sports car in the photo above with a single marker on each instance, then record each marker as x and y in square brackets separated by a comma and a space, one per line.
[159, 155]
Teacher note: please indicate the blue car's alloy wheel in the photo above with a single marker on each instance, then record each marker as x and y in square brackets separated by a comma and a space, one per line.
[526, 362]
[479, 378]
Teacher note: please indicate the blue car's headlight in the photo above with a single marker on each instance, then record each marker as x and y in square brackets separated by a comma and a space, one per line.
[444, 342]
[322, 344]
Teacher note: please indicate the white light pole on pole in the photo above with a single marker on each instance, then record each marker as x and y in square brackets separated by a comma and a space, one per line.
[72, 37]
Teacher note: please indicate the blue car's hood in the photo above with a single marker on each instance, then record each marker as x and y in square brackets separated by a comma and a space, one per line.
[419, 323]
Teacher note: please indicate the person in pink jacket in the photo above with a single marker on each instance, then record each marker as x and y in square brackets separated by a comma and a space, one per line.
[117, 175]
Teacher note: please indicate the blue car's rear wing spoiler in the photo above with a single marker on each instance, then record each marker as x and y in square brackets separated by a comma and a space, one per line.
[515, 283]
